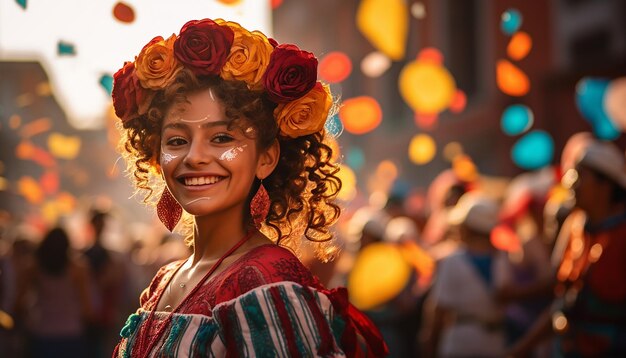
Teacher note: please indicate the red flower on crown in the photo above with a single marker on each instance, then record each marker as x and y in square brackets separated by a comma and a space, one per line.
[291, 73]
[129, 98]
[203, 46]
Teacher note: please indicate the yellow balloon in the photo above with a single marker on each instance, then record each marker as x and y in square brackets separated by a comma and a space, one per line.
[427, 87]
[385, 24]
[348, 183]
[379, 273]
[422, 149]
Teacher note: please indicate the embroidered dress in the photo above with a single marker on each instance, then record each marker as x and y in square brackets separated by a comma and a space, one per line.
[265, 304]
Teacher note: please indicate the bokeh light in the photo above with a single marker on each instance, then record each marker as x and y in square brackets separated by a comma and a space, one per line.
[375, 64]
[590, 93]
[511, 80]
[464, 168]
[516, 119]
[426, 86]
[422, 149]
[64, 147]
[335, 67]
[519, 46]
[123, 13]
[451, 150]
[348, 183]
[510, 21]
[385, 24]
[533, 151]
[505, 239]
[615, 102]
[360, 115]
[355, 158]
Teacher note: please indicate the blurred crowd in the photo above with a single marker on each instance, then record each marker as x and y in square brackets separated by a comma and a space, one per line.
[531, 268]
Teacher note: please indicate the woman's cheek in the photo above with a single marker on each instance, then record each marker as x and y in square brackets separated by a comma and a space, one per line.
[232, 153]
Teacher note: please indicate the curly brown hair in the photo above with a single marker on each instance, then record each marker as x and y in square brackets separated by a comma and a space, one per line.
[302, 188]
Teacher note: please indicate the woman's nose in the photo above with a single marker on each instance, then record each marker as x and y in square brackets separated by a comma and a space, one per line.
[198, 154]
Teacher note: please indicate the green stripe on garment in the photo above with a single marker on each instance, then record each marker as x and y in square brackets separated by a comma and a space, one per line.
[259, 332]
[202, 340]
[295, 323]
[273, 314]
[178, 326]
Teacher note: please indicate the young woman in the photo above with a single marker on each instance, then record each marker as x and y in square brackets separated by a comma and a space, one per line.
[233, 124]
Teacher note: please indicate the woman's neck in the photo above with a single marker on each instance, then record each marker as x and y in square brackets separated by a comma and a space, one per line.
[214, 235]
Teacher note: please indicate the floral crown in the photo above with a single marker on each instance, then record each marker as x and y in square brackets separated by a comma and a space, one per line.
[285, 73]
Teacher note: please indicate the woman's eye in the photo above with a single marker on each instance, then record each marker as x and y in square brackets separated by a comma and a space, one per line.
[222, 138]
[176, 141]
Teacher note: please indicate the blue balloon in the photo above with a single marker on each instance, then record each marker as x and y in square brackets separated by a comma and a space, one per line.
[516, 119]
[533, 151]
[590, 94]
[511, 21]
[355, 158]
[334, 126]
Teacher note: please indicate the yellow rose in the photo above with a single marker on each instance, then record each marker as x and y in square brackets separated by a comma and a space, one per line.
[249, 56]
[305, 115]
[156, 64]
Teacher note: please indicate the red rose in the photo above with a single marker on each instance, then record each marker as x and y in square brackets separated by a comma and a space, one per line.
[129, 98]
[203, 46]
[291, 73]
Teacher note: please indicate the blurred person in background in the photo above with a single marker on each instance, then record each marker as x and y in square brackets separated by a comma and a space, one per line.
[463, 318]
[588, 314]
[56, 302]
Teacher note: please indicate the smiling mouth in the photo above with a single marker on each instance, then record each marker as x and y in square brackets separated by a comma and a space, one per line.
[197, 181]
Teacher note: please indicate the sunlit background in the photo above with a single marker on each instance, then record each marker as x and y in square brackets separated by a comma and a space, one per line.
[490, 87]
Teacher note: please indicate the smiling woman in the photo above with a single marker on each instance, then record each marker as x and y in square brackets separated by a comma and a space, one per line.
[228, 126]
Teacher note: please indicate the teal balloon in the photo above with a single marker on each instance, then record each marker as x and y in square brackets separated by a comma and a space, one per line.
[106, 81]
[511, 21]
[355, 158]
[533, 151]
[516, 119]
[590, 94]
[334, 126]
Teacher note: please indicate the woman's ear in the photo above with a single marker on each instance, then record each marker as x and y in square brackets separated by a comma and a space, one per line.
[268, 159]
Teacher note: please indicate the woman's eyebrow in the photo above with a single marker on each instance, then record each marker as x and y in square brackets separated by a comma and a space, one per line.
[177, 125]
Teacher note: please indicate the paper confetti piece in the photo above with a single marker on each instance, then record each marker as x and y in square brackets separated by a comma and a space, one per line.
[65, 49]
[106, 81]
[64, 147]
[123, 13]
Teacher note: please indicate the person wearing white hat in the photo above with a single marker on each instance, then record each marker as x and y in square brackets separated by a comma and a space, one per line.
[467, 321]
[589, 310]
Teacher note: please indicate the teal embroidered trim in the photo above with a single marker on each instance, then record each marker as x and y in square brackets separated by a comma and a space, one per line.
[130, 326]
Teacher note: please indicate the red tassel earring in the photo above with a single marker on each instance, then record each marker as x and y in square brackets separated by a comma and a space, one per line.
[260, 206]
[168, 210]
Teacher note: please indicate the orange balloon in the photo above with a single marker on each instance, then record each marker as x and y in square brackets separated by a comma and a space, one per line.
[519, 46]
[360, 115]
[511, 80]
[335, 67]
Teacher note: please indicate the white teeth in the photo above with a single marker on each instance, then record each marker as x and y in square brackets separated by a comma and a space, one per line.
[201, 180]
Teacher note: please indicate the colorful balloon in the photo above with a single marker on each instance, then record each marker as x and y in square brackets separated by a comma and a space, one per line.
[422, 149]
[510, 21]
[511, 80]
[360, 115]
[426, 87]
[590, 93]
[385, 24]
[516, 119]
[519, 46]
[335, 67]
[615, 102]
[533, 151]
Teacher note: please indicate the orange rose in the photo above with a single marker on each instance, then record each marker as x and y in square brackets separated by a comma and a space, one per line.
[249, 56]
[305, 115]
[156, 64]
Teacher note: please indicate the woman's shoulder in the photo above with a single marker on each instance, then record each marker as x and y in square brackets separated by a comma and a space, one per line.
[260, 266]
